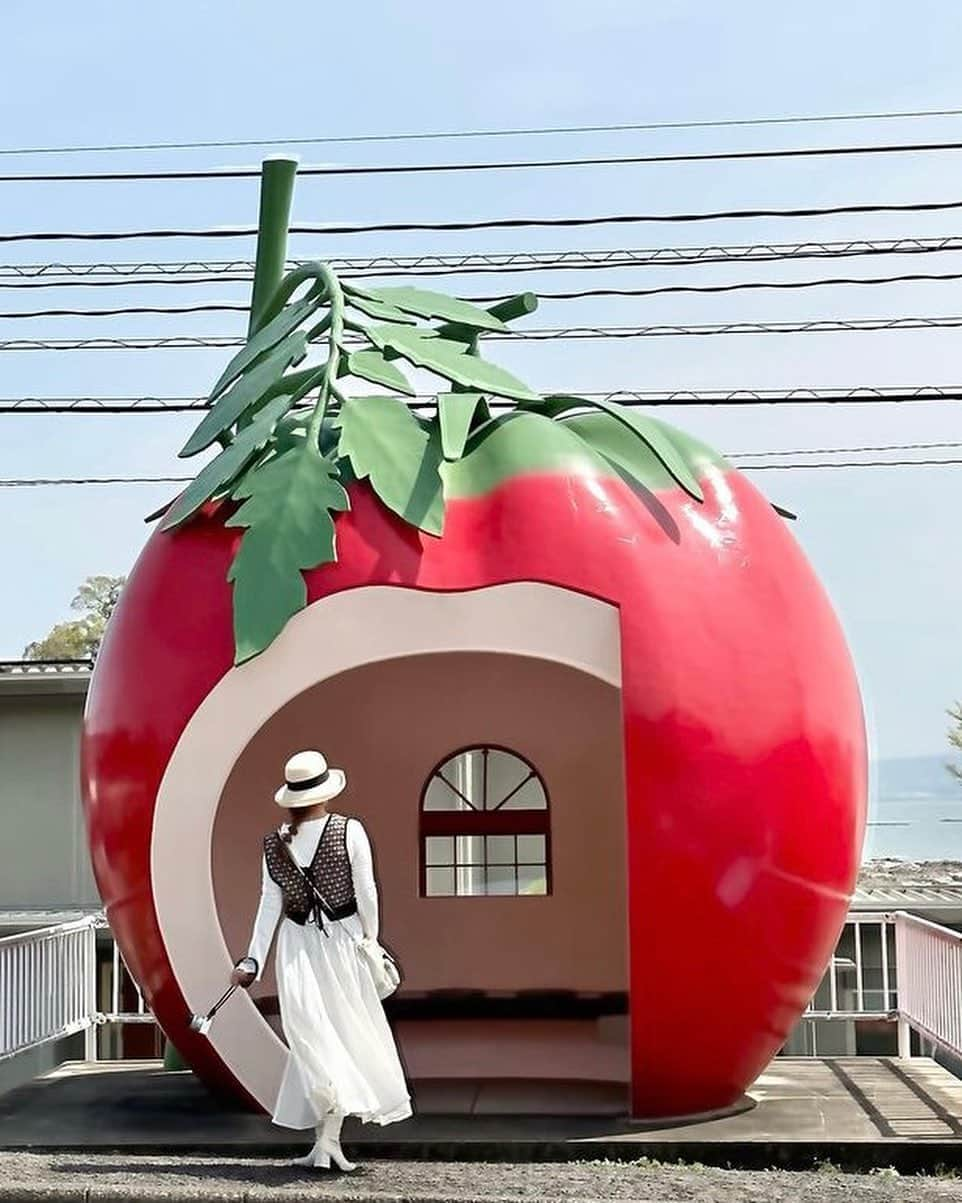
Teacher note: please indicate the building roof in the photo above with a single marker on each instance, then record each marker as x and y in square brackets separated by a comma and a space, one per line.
[927, 887]
[907, 898]
[33, 677]
[25, 918]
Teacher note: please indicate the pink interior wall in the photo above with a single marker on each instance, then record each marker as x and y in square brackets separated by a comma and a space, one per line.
[388, 725]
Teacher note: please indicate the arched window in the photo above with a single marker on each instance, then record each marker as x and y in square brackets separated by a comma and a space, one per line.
[484, 826]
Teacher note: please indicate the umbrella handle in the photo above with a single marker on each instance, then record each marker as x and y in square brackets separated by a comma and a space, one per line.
[223, 998]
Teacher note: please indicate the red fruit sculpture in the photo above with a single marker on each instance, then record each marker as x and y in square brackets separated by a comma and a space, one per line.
[743, 733]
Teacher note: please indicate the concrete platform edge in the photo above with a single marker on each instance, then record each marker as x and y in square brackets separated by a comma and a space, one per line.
[907, 1155]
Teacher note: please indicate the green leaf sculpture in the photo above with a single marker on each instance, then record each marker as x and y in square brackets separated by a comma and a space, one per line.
[287, 510]
[447, 359]
[372, 366]
[456, 412]
[292, 440]
[398, 453]
[654, 433]
[424, 303]
[247, 391]
[225, 468]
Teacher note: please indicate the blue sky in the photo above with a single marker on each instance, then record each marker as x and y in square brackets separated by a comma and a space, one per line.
[885, 541]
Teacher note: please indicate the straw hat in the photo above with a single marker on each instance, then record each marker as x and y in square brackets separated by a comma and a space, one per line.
[307, 779]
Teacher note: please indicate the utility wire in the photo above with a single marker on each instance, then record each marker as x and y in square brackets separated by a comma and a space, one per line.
[860, 395]
[742, 286]
[844, 450]
[493, 224]
[634, 127]
[211, 307]
[36, 481]
[537, 334]
[250, 173]
[241, 271]
[898, 463]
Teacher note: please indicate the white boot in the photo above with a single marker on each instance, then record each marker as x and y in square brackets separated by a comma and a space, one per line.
[318, 1157]
[330, 1141]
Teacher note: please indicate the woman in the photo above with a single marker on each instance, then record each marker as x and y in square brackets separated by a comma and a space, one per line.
[342, 1057]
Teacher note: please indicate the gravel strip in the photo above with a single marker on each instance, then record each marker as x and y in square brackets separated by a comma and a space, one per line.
[111, 1178]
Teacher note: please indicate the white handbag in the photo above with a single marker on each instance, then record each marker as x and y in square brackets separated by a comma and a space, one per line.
[385, 970]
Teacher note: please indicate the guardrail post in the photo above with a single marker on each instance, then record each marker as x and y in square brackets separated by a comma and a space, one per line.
[905, 1038]
[90, 991]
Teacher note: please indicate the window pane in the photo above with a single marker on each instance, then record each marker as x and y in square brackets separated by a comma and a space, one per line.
[500, 849]
[469, 849]
[501, 879]
[439, 850]
[531, 880]
[466, 773]
[505, 773]
[440, 796]
[483, 780]
[531, 850]
[529, 797]
[439, 881]
[470, 879]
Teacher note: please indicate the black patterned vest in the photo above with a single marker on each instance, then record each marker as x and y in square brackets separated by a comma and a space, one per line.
[329, 870]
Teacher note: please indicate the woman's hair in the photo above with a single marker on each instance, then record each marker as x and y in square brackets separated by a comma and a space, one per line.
[293, 823]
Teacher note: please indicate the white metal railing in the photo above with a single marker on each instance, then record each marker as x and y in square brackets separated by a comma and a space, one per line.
[926, 959]
[930, 975]
[861, 985]
[49, 984]
[49, 987]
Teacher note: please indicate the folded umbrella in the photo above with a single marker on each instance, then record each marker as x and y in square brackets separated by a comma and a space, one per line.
[201, 1023]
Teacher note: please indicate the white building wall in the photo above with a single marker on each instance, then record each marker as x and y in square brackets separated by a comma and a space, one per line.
[44, 860]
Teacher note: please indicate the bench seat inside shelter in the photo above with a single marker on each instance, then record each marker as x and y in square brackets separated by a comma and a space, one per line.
[454, 1003]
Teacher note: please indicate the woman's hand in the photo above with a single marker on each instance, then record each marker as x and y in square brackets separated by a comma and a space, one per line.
[243, 977]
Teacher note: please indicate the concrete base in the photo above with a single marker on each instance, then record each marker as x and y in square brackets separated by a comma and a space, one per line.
[857, 1111]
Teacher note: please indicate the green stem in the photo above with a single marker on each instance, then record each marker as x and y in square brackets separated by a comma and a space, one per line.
[335, 296]
[277, 188]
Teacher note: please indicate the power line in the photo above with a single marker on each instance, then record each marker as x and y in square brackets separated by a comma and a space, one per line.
[175, 342]
[860, 395]
[714, 156]
[37, 481]
[635, 127]
[897, 463]
[847, 450]
[240, 271]
[124, 311]
[740, 286]
[752, 285]
[492, 224]
[536, 334]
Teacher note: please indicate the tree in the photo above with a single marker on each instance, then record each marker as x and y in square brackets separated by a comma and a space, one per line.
[955, 736]
[80, 638]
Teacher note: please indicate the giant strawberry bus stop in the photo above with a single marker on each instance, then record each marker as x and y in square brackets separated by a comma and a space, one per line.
[589, 693]
[540, 634]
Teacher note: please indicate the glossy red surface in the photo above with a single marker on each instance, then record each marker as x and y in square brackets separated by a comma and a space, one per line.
[744, 743]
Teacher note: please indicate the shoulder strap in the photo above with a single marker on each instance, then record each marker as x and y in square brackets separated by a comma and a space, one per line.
[290, 856]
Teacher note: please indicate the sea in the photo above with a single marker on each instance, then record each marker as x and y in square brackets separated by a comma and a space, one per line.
[914, 827]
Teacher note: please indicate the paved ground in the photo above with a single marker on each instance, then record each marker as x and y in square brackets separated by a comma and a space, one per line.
[822, 1104]
[111, 1179]
[126, 1130]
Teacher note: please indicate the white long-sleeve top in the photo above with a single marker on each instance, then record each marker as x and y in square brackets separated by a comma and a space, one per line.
[304, 844]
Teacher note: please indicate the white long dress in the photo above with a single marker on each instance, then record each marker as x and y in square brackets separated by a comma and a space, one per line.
[342, 1052]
